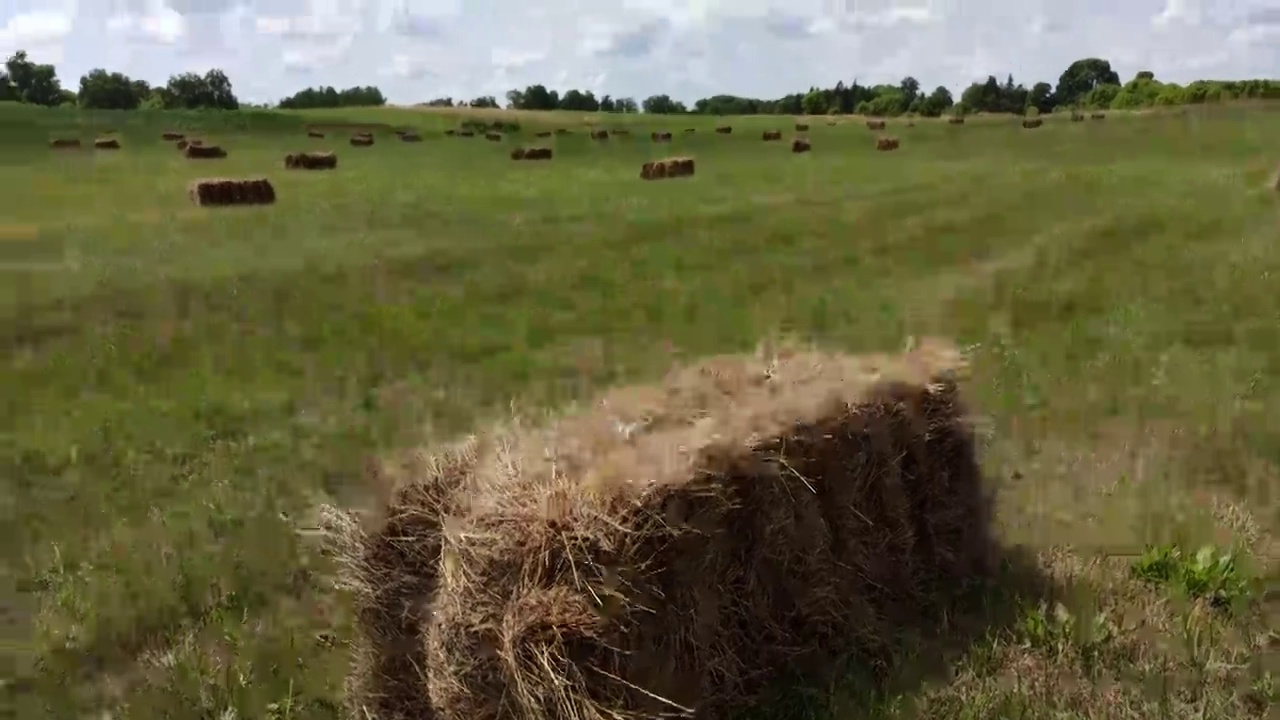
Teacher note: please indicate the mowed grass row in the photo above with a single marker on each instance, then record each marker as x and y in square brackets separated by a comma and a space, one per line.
[178, 402]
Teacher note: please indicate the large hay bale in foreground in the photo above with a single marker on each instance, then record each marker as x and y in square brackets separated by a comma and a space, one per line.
[533, 153]
[676, 546]
[800, 145]
[725, 129]
[1033, 123]
[771, 135]
[106, 144]
[669, 168]
[311, 161]
[875, 124]
[885, 144]
[221, 191]
[203, 152]
[64, 143]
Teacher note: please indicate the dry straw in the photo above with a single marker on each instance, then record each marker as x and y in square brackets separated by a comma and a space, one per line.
[220, 191]
[311, 161]
[669, 168]
[670, 550]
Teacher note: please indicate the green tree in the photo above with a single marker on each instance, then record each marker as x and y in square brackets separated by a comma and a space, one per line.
[190, 91]
[662, 105]
[101, 90]
[33, 83]
[1041, 97]
[814, 103]
[1082, 76]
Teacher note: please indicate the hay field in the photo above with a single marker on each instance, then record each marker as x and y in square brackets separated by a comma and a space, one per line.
[183, 386]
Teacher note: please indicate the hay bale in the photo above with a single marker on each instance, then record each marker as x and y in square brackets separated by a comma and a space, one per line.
[182, 144]
[684, 544]
[410, 137]
[361, 140]
[106, 144]
[725, 130]
[311, 161]
[801, 127]
[661, 136]
[533, 153]
[885, 144]
[669, 168]
[831, 123]
[466, 133]
[690, 130]
[621, 132]
[172, 135]
[315, 134]
[800, 145]
[450, 133]
[1077, 116]
[493, 137]
[1098, 116]
[771, 135]
[1032, 123]
[203, 152]
[875, 125]
[221, 191]
[599, 134]
[544, 134]
[64, 143]
[562, 131]
[955, 120]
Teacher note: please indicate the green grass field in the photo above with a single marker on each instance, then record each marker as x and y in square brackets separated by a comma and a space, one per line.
[187, 385]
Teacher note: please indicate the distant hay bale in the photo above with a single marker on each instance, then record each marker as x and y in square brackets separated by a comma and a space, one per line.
[562, 131]
[955, 120]
[771, 135]
[493, 137]
[106, 144]
[533, 153]
[466, 133]
[800, 145]
[875, 125]
[361, 140]
[801, 127]
[621, 132]
[172, 135]
[451, 132]
[64, 143]
[885, 144]
[599, 134]
[1032, 123]
[669, 168]
[1076, 116]
[690, 130]
[676, 549]
[311, 161]
[544, 133]
[182, 144]
[410, 137]
[725, 130]
[315, 134]
[661, 136]
[1098, 116]
[221, 191]
[203, 152]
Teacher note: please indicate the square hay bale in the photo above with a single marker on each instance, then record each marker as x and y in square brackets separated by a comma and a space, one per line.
[106, 144]
[64, 143]
[203, 152]
[1033, 123]
[315, 134]
[599, 134]
[533, 153]
[544, 133]
[182, 144]
[669, 168]
[690, 130]
[801, 127]
[562, 131]
[311, 161]
[222, 191]
[771, 135]
[725, 129]
[1098, 116]
[671, 550]
[493, 137]
[466, 133]
[875, 124]
[172, 135]
[450, 132]
[885, 144]
[660, 136]
[800, 145]
[410, 137]
[955, 120]
[361, 140]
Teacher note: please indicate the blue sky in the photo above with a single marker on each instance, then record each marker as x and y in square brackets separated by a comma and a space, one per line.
[416, 50]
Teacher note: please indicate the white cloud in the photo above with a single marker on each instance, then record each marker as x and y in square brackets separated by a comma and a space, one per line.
[419, 49]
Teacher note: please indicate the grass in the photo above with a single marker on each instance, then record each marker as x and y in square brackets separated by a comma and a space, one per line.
[189, 385]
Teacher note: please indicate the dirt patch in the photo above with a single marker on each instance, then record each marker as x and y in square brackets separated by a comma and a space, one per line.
[673, 549]
[221, 192]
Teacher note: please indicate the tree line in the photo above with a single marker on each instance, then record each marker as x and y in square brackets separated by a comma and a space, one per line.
[1086, 84]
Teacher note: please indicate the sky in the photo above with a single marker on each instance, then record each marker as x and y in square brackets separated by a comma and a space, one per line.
[416, 50]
